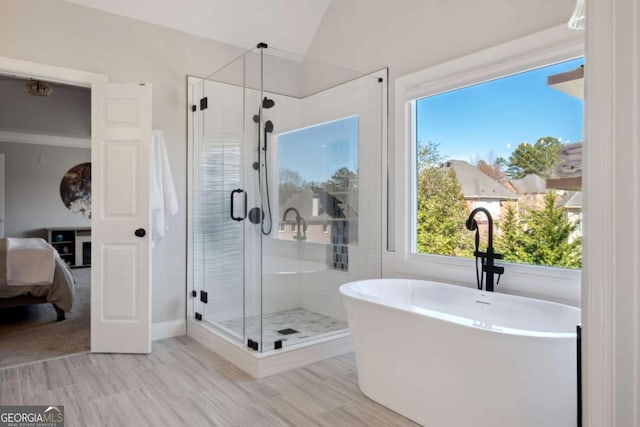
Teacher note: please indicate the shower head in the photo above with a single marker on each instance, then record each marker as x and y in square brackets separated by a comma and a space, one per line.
[268, 103]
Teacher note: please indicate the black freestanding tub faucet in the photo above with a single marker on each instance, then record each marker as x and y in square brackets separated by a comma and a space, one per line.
[489, 269]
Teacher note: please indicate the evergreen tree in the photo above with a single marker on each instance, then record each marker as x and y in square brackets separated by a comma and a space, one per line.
[509, 241]
[546, 240]
[341, 181]
[442, 210]
[540, 158]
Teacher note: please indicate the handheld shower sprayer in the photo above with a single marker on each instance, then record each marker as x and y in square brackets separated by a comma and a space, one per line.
[266, 129]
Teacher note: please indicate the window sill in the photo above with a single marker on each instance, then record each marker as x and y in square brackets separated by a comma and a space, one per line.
[545, 283]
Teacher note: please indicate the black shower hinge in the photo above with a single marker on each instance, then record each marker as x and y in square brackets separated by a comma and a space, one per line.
[203, 103]
[194, 293]
[193, 107]
[204, 297]
[198, 316]
[277, 345]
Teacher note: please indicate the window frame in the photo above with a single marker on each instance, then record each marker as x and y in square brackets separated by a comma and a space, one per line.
[544, 48]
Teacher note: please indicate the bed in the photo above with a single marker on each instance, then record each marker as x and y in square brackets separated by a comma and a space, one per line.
[58, 289]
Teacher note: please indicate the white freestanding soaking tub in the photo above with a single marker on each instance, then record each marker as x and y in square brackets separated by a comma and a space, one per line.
[449, 356]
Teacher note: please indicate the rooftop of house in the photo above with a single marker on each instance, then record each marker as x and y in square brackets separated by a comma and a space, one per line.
[328, 207]
[478, 185]
[530, 184]
[571, 200]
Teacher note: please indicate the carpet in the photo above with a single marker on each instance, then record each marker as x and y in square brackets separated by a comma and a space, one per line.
[31, 333]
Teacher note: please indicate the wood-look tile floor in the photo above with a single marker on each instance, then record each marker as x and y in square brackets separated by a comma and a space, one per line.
[182, 383]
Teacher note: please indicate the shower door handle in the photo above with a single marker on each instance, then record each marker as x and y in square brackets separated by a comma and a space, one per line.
[238, 218]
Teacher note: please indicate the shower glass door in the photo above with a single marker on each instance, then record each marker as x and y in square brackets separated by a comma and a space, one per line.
[222, 194]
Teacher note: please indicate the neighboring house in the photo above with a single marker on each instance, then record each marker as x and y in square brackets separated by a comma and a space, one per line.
[531, 190]
[321, 212]
[571, 201]
[479, 189]
[318, 225]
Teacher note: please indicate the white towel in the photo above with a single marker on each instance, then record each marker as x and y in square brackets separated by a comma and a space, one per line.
[164, 201]
[29, 262]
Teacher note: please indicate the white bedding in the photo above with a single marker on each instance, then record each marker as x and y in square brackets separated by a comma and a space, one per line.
[29, 262]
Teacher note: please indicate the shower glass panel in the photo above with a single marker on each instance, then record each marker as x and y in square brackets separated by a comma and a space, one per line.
[221, 237]
[286, 191]
[325, 176]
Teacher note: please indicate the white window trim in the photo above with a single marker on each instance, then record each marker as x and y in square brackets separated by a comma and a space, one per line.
[547, 47]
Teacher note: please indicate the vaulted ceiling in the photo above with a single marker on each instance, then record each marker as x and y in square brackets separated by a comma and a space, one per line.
[287, 24]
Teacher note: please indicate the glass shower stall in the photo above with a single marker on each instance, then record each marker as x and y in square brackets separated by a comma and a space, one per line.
[285, 196]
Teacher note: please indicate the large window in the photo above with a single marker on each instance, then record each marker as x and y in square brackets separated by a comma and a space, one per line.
[513, 146]
[426, 243]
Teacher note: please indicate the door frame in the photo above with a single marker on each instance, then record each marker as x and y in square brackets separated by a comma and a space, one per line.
[70, 76]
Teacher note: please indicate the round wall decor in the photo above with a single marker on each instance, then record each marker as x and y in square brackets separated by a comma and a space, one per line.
[75, 190]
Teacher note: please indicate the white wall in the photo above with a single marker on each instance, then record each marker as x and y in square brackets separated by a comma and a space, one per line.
[66, 112]
[63, 34]
[32, 188]
[411, 35]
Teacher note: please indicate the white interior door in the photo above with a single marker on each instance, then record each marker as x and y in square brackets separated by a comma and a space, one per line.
[120, 264]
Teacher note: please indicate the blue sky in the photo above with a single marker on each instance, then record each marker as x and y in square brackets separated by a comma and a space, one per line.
[317, 152]
[498, 115]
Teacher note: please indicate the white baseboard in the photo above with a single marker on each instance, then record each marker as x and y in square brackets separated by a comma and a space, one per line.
[172, 328]
[260, 365]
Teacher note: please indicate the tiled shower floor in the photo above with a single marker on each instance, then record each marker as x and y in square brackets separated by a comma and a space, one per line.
[307, 323]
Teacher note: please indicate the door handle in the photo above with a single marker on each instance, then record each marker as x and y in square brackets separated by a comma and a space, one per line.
[232, 208]
[140, 232]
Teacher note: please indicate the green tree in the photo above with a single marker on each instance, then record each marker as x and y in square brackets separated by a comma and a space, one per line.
[547, 237]
[510, 238]
[341, 181]
[442, 210]
[540, 158]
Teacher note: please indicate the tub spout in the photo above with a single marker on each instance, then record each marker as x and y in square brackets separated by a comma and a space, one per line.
[489, 269]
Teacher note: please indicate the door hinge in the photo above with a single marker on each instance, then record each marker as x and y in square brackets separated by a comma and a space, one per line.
[193, 107]
[204, 297]
[203, 103]
[198, 316]
[194, 293]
